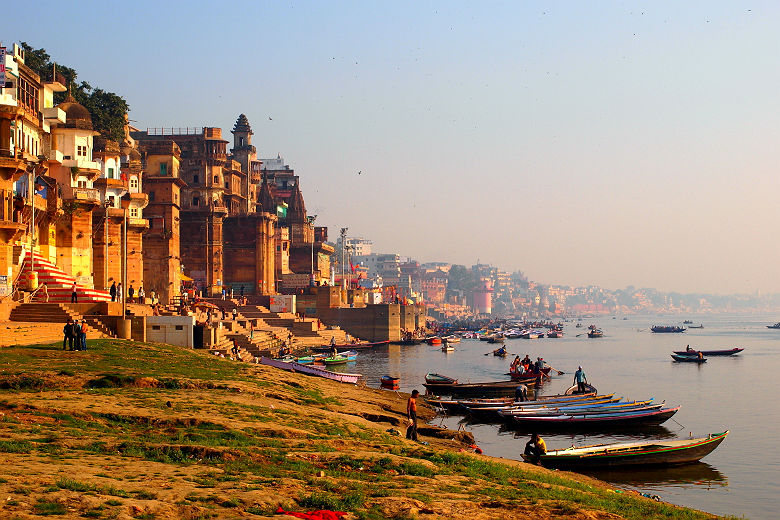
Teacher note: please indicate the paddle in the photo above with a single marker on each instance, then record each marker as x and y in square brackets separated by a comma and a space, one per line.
[560, 372]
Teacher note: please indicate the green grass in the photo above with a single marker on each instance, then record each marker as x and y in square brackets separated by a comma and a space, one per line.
[46, 508]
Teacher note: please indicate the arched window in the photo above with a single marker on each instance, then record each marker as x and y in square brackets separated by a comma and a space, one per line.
[216, 179]
[196, 201]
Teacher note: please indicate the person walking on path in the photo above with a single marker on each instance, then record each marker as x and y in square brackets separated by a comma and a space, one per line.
[82, 339]
[74, 296]
[67, 332]
[112, 291]
[235, 314]
[580, 379]
[411, 413]
[224, 293]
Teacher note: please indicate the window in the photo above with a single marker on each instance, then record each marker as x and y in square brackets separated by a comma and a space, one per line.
[155, 327]
[151, 223]
[216, 179]
[240, 141]
[179, 327]
[151, 196]
[195, 179]
[133, 184]
[227, 185]
[82, 184]
[110, 173]
[112, 204]
[163, 169]
[175, 197]
[133, 212]
[81, 151]
[195, 201]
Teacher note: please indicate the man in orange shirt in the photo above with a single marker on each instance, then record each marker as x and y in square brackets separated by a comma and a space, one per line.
[411, 412]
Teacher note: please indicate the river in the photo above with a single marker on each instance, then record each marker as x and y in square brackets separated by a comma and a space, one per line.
[737, 393]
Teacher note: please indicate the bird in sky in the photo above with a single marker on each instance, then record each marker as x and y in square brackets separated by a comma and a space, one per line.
[270, 118]
[361, 171]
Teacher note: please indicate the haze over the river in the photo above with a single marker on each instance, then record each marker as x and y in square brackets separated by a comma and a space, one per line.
[608, 144]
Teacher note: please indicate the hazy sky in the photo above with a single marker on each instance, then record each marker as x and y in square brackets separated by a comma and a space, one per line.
[607, 143]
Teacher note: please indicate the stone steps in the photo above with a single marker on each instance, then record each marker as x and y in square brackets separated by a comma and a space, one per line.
[33, 333]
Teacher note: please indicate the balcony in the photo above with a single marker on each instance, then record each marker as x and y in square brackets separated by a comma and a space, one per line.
[53, 114]
[85, 194]
[110, 183]
[138, 223]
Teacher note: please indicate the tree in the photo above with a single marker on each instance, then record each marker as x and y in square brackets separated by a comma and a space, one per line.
[106, 108]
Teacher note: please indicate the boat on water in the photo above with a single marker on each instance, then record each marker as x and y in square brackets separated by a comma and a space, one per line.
[452, 339]
[488, 389]
[727, 352]
[667, 329]
[350, 346]
[589, 389]
[658, 452]
[593, 420]
[687, 322]
[311, 370]
[688, 358]
[435, 340]
[775, 326]
[454, 404]
[446, 347]
[498, 338]
[306, 360]
[341, 358]
[438, 379]
[699, 326]
[595, 333]
[514, 374]
[555, 334]
[500, 352]
[390, 382]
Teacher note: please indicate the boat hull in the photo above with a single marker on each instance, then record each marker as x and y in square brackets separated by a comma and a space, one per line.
[660, 453]
[311, 370]
[729, 352]
[688, 359]
[492, 389]
[594, 421]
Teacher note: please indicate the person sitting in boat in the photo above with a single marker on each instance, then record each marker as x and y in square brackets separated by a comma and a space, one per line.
[580, 379]
[700, 355]
[526, 360]
[688, 348]
[535, 448]
[515, 364]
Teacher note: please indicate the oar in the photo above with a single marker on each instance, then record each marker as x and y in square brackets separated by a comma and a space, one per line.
[560, 372]
[578, 335]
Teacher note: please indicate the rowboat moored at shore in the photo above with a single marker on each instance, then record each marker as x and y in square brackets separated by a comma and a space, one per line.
[311, 370]
[655, 452]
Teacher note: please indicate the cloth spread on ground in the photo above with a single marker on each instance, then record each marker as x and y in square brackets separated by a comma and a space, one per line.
[314, 515]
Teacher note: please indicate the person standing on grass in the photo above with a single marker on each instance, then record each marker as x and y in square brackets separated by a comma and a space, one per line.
[83, 336]
[76, 336]
[411, 413]
[68, 335]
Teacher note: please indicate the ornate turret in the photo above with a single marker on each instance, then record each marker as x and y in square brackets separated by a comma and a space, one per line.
[296, 212]
[242, 125]
[266, 200]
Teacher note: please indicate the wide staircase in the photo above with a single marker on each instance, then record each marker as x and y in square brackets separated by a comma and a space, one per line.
[59, 284]
[33, 323]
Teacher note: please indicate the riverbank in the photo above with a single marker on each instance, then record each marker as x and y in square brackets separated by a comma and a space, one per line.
[142, 430]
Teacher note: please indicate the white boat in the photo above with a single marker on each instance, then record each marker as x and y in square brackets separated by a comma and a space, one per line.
[452, 339]
[447, 348]
[311, 370]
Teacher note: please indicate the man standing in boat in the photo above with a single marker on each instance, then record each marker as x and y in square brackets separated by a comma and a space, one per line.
[580, 379]
[411, 412]
[535, 448]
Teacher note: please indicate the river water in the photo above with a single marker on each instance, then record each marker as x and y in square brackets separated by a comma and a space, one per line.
[741, 477]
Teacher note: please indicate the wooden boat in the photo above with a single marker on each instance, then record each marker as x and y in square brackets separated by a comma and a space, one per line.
[436, 340]
[555, 334]
[656, 452]
[390, 382]
[501, 352]
[438, 379]
[775, 326]
[453, 404]
[529, 374]
[700, 326]
[688, 358]
[409, 341]
[305, 360]
[311, 370]
[446, 347]
[452, 339]
[488, 389]
[667, 328]
[728, 352]
[595, 333]
[572, 390]
[687, 322]
[594, 420]
[350, 346]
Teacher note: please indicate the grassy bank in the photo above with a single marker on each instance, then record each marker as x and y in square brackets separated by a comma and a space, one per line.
[132, 430]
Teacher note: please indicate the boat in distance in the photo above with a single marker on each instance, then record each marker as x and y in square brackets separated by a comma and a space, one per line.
[727, 352]
[311, 370]
[775, 326]
[656, 452]
[688, 358]
[350, 346]
[667, 328]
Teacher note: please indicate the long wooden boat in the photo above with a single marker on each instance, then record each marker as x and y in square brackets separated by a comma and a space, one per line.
[728, 352]
[311, 370]
[529, 374]
[572, 390]
[578, 411]
[656, 452]
[350, 346]
[435, 340]
[596, 333]
[488, 389]
[390, 382]
[438, 379]
[455, 404]
[688, 358]
[775, 326]
[446, 347]
[595, 420]
[452, 339]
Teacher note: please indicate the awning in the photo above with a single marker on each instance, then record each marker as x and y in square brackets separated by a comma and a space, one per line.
[185, 278]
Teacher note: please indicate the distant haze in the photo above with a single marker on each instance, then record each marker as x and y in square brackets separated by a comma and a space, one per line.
[582, 143]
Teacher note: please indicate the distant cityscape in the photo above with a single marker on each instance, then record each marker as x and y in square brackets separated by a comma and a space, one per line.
[456, 291]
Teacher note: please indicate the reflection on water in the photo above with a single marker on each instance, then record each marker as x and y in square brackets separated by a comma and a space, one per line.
[698, 474]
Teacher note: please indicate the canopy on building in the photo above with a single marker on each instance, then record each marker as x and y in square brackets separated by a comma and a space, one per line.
[185, 278]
